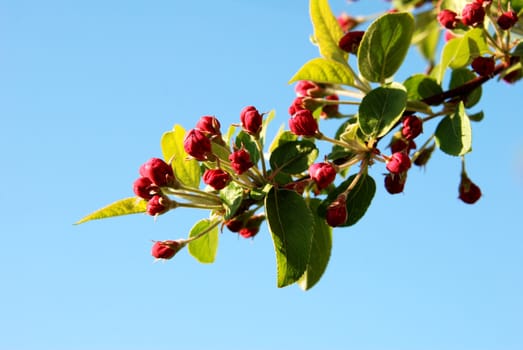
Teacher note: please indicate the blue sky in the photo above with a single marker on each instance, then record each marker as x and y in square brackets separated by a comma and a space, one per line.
[87, 89]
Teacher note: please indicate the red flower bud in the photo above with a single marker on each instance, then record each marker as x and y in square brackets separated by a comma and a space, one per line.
[251, 120]
[412, 127]
[143, 187]
[447, 18]
[399, 144]
[216, 178]
[196, 144]
[507, 20]
[484, 66]
[308, 88]
[323, 174]
[166, 249]
[240, 161]
[297, 105]
[234, 224]
[399, 162]
[473, 14]
[158, 171]
[337, 212]
[209, 125]
[158, 205]
[302, 123]
[469, 192]
[252, 226]
[395, 183]
[350, 42]
[330, 111]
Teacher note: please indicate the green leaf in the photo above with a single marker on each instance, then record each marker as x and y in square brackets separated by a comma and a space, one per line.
[477, 117]
[421, 86]
[187, 171]
[204, 248]
[232, 197]
[385, 45]
[281, 137]
[381, 109]
[458, 52]
[293, 157]
[320, 249]
[358, 199]
[323, 70]
[266, 121]
[459, 77]
[291, 225]
[327, 31]
[124, 206]
[427, 33]
[453, 134]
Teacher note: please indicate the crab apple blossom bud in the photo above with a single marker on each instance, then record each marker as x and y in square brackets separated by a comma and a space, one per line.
[196, 144]
[412, 127]
[251, 120]
[514, 75]
[252, 226]
[216, 178]
[395, 183]
[209, 125]
[234, 224]
[473, 14]
[336, 214]
[166, 249]
[158, 171]
[330, 111]
[507, 20]
[240, 161]
[347, 22]
[323, 174]
[302, 123]
[447, 18]
[158, 205]
[399, 162]
[469, 192]
[143, 187]
[298, 186]
[484, 66]
[350, 42]
[400, 144]
[309, 88]
[297, 105]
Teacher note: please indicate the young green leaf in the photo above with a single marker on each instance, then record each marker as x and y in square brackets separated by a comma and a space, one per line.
[381, 109]
[385, 45]
[124, 206]
[187, 171]
[320, 249]
[204, 248]
[327, 31]
[291, 225]
[421, 86]
[232, 197]
[322, 70]
[459, 77]
[293, 157]
[453, 134]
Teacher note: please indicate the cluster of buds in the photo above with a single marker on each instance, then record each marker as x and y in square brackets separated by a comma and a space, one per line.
[473, 15]
[311, 96]
[247, 225]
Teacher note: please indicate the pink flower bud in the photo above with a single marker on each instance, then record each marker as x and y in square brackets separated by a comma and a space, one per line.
[399, 162]
[251, 120]
[166, 249]
[350, 42]
[144, 188]
[209, 125]
[473, 14]
[484, 66]
[216, 178]
[197, 145]
[302, 123]
[330, 111]
[469, 192]
[323, 174]
[449, 35]
[347, 22]
[158, 205]
[336, 214]
[412, 127]
[158, 171]
[447, 18]
[395, 183]
[507, 20]
[240, 161]
[308, 88]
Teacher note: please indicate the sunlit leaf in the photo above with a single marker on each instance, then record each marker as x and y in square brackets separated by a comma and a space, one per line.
[204, 248]
[124, 206]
